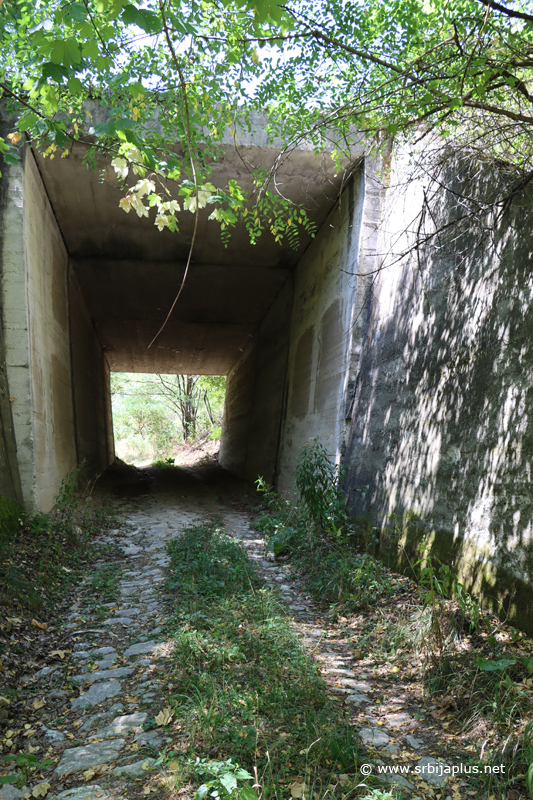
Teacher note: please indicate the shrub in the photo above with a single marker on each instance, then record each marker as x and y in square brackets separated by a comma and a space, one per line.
[12, 517]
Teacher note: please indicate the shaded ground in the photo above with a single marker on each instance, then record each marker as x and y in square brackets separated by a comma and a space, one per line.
[89, 716]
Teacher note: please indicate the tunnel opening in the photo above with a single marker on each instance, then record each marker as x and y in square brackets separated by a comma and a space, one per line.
[166, 419]
[85, 289]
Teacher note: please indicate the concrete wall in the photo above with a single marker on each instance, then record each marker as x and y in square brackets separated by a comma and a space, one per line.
[15, 328]
[332, 285]
[52, 412]
[255, 395]
[10, 247]
[49, 436]
[442, 432]
[91, 387]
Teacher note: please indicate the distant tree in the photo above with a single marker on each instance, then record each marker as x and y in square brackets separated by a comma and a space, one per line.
[152, 403]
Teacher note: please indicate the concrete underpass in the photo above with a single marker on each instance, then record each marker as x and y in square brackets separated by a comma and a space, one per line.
[85, 288]
[412, 364]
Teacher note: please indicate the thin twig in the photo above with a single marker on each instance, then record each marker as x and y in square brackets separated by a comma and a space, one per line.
[191, 159]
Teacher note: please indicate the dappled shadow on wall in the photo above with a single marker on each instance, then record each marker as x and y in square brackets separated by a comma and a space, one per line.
[442, 426]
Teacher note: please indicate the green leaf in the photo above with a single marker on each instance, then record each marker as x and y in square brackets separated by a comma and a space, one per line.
[494, 665]
[8, 779]
[66, 51]
[75, 86]
[247, 793]
[54, 71]
[27, 122]
[136, 89]
[229, 782]
[243, 775]
[146, 20]
[103, 129]
[75, 12]
[11, 158]
[90, 50]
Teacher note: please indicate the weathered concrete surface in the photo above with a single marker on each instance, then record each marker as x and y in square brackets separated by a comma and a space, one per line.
[328, 318]
[442, 434]
[51, 414]
[10, 485]
[254, 397]
[219, 311]
[50, 347]
[15, 328]
[90, 385]
[130, 272]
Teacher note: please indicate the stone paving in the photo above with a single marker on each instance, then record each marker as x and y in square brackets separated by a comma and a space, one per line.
[119, 678]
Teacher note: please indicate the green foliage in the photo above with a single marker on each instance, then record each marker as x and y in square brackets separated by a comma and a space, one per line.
[153, 414]
[12, 516]
[316, 533]
[23, 762]
[104, 585]
[244, 687]
[46, 554]
[209, 564]
[223, 780]
[166, 463]
[383, 68]
[319, 485]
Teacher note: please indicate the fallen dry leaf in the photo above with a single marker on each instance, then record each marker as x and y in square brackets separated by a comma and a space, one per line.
[59, 653]
[89, 774]
[164, 717]
[40, 790]
[38, 703]
[41, 625]
[298, 790]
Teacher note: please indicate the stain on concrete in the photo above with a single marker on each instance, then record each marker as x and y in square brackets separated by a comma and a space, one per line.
[331, 361]
[301, 374]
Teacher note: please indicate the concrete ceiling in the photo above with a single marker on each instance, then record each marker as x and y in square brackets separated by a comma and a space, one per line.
[130, 272]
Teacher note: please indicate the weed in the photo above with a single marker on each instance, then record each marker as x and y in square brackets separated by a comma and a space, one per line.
[41, 558]
[244, 688]
[25, 763]
[104, 583]
[319, 486]
[223, 780]
[166, 463]
[317, 535]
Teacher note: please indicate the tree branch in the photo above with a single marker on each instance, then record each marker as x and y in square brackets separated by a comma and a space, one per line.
[507, 11]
